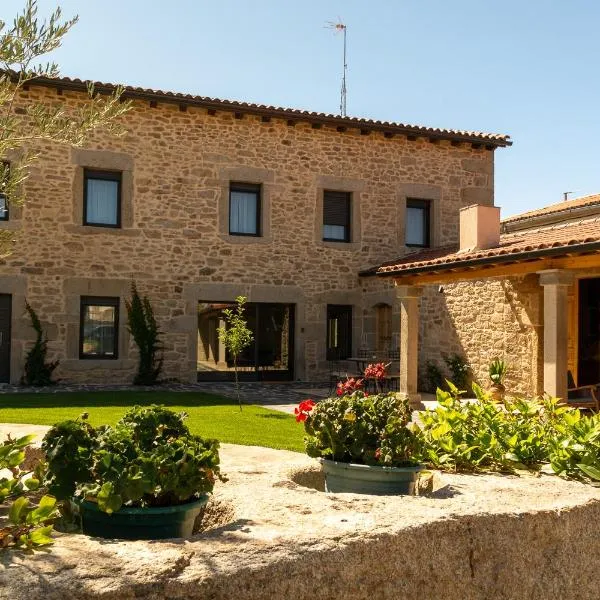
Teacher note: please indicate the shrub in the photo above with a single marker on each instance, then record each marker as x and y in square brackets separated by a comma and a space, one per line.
[360, 429]
[142, 326]
[29, 524]
[149, 458]
[517, 434]
[459, 371]
[433, 377]
[38, 372]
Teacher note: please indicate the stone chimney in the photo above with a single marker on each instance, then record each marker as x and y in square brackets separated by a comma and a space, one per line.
[479, 227]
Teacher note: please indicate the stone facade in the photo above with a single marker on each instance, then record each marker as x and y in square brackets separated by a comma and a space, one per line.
[176, 167]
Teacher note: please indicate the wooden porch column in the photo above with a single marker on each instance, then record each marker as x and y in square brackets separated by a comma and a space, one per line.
[556, 284]
[408, 297]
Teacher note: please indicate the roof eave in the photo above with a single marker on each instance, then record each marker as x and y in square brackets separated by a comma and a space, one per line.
[491, 260]
[488, 141]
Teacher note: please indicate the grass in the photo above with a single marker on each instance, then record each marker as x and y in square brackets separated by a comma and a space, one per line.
[209, 416]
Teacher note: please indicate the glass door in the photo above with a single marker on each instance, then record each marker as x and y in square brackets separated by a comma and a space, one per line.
[270, 356]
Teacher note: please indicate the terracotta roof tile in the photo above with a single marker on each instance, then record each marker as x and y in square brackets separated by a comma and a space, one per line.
[515, 245]
[493, 139]
[556, 208]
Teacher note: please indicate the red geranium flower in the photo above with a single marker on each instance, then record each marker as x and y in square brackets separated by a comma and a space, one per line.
[303, 410]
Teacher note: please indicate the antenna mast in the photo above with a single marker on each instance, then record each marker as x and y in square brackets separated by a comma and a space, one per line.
[340, 27]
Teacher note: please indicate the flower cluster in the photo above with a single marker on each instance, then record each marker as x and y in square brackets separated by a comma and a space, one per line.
[376, 371]
[303, 410]
[349, 386]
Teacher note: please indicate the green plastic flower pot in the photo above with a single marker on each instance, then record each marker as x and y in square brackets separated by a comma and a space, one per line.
[364, 479]
[155, 523]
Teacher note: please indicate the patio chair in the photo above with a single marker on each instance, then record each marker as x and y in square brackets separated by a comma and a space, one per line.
[585, 397]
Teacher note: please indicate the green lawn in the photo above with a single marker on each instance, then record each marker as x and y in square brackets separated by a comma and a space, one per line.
[209, 416]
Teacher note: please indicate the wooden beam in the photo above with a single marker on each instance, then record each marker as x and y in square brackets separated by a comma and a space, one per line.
[153, 103]
[514, 269]
[265, 119]
[212, 112]
[183, 107]
[388, 134]
[341, 128]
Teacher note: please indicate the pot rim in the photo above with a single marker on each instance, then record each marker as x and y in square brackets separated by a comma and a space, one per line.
[344, 465]
[147, 510]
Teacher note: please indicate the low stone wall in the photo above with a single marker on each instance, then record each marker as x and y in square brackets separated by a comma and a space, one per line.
[272, 534]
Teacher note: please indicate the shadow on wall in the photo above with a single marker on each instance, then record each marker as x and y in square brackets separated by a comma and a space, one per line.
[481, 320]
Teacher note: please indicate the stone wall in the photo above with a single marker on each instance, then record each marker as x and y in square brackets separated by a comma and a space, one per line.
[176, 166]
[484, 319]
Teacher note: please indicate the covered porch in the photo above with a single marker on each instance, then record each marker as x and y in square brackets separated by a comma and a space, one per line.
[564, 266]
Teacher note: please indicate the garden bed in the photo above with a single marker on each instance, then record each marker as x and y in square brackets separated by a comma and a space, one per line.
[271, 533]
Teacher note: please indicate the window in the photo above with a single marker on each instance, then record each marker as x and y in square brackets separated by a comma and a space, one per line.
[336, 216]
[244, 209]
[339, 331]
[102, 198]
[4, 175]
[418, 222]
[99, 327]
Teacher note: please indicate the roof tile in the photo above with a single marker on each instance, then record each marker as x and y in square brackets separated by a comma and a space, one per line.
[557, 236]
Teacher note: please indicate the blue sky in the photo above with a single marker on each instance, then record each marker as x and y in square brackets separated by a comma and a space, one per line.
[528, 68]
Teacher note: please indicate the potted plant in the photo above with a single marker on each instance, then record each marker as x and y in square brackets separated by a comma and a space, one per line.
[363, 441]
[145, 478]
[497, 371]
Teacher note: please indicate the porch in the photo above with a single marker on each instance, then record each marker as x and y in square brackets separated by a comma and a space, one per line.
[562, 266]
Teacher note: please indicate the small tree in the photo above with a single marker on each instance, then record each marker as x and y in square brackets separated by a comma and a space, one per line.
[38, 372]
[22, 45]
[236, 336]
[141, 324]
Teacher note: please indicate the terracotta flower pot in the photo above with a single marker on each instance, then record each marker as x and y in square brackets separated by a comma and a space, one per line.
[497, 391]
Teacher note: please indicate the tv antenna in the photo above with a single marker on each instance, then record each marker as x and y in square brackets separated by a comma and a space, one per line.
[566, 196]
[339, 27]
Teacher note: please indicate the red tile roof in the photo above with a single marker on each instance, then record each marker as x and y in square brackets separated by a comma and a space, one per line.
[491, 139]
[559, 207]
[577, 236]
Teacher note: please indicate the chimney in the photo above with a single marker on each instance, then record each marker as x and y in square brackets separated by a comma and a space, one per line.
[479, 227]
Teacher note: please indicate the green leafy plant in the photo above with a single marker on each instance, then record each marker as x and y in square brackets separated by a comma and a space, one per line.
[497, 371]
[23, 44]
[148, 459]
[459, 371]
[37, 371]
[433, 376]
[142, 326]
[29, 524]
[360, 429]
[236, 336]
[515, 435]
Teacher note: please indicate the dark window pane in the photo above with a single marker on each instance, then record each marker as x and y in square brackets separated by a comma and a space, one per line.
[3, 208]
[99, 328]
[102, 198]
[339, 331]
[4, 177]
[417, 222]
[336, 216]
[244, 209]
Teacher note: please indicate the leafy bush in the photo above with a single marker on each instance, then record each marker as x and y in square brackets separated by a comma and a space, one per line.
[38, 372]
[29, 524]
[142, 326]
[518, 434]
[360, 429]
[149, 458]
[459, 371]
[433, 377]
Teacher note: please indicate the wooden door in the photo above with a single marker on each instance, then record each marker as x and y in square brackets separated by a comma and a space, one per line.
[5, 310]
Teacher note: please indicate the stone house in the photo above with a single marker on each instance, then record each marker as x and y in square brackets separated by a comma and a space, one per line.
[203, 200]
[526, 289]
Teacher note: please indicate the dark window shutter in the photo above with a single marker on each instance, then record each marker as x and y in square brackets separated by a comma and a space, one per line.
[336, 208]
